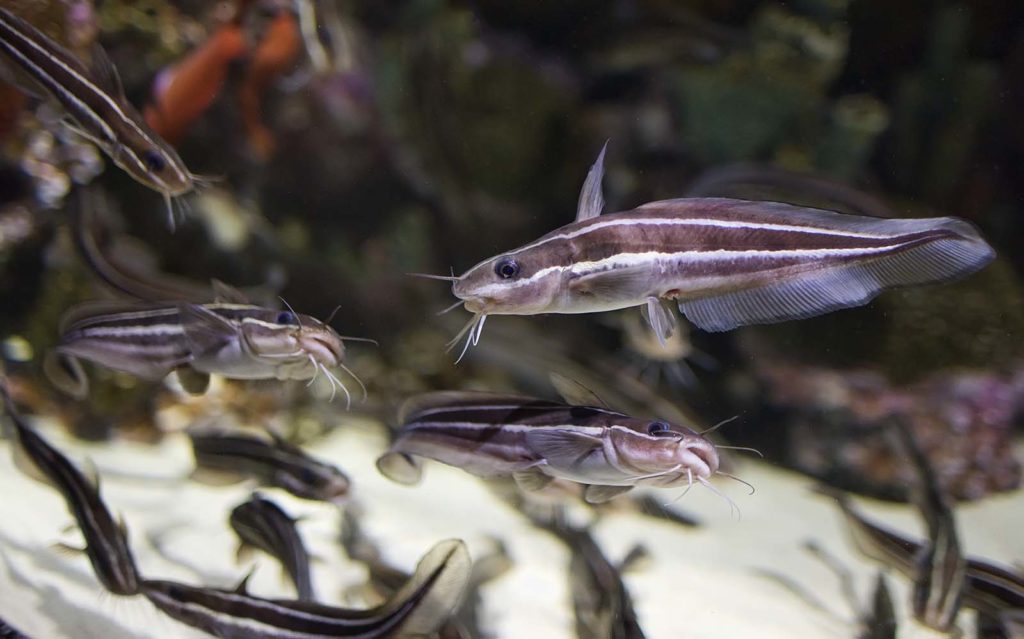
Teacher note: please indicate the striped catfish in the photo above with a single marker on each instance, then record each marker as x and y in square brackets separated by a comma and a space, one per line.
[7, 631]
[95, 100]
[536, 441]
[238, 341]
[725, 263]
[273, 461]
[384, 578]
[106, 540]
[262, 524]
[601, 600]
[127, 281]
[988, 588]
[417, 609]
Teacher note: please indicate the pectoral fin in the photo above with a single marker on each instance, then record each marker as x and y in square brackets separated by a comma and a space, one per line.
[205, 331]
[194, 382]
[597, 494]
[400, 468]
[212, 477]
[562, 448]
[532, 479]
[244, 553]
[24, 463]
[661, 318]
[618, 281]
[65, 372]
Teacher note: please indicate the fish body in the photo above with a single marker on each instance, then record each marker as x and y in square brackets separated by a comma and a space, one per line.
[106, 539]
[273, 461]
[418, 608]
[603, 606]
[988, 588]
[8, 631]
[95, 100]
[146, 287]
[260, 523]
[238, 341]
[537, 440]
[726, 263]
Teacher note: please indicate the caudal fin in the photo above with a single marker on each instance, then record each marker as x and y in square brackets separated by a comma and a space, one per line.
[433, 592]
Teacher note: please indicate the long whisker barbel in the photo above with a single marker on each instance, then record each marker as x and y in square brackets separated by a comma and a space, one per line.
[335, 384]
[430, 276]
[355, 377]
[719, 425]
[732, 504]
[734, 477]
[450, 308]
[744, 448]
[330, 317]
[471, 329]
[316, 370]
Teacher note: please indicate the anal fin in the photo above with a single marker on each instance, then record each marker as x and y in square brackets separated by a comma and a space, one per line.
[845, 285]
[660, 318]
[532, 479]
[599, 494]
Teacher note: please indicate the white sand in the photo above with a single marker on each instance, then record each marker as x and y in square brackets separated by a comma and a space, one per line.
[703, 582]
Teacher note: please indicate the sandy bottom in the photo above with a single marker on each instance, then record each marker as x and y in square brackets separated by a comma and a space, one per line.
[713, 581]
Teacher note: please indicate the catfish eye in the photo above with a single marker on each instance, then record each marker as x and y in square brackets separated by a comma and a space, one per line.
[657, 428]
[286, 317]
[506, 268]
[154, 162]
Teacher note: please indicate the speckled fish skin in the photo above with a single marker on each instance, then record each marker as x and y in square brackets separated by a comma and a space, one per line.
[273, 461]
[725, 262]
[489, 435]
[417, 609]
[260, 523]
[106, 541]
[95, 99]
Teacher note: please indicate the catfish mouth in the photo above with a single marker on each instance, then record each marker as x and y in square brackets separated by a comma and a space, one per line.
[476, 305]
[706, 454]
[325, 350]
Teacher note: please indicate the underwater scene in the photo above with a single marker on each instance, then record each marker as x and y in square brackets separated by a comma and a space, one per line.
[606, 319]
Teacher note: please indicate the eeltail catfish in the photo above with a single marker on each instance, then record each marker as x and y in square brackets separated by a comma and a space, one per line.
[238, 341]
[127, 281]
[262, 524]
[988, 588]
[106, 540]
[417, 609]
[536, 441]
[271, 459]
[726, 263]
[95, 100]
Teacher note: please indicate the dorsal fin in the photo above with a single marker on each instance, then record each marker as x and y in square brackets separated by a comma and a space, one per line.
[225, 293]
[591, 199]
[574, 393]
[105, 73]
